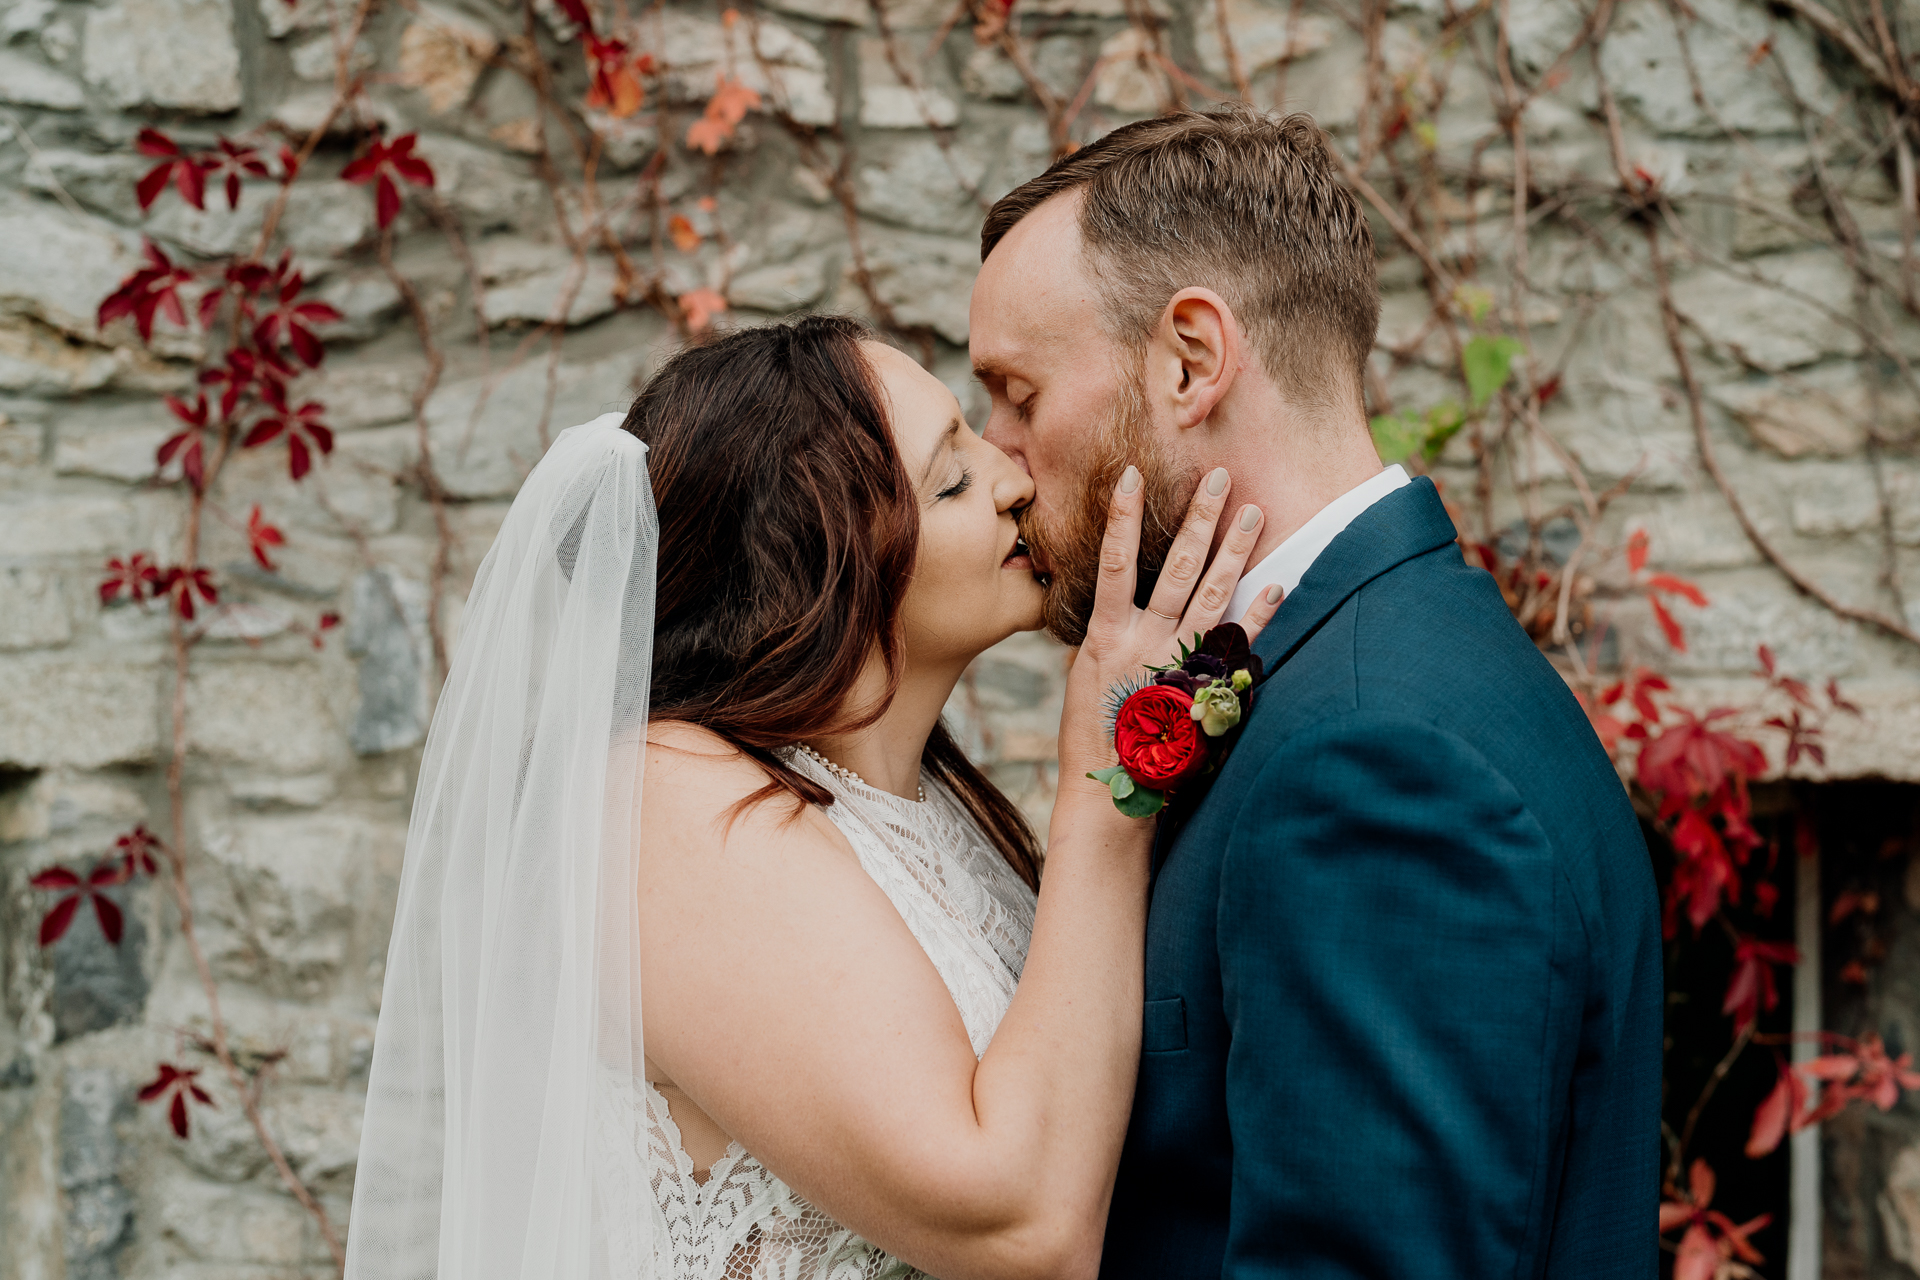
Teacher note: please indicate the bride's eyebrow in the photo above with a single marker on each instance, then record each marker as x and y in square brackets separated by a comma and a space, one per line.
[944, 442]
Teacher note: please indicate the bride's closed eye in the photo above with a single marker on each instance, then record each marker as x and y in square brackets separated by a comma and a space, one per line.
[958, 487]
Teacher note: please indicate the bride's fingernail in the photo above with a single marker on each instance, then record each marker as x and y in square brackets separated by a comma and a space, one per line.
[1217, 482]
[1249, 518]
[1130, 479]
[1274, 593]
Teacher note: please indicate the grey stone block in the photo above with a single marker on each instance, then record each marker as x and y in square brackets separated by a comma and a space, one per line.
[96, 984]
[387, 632]
[99, 1208]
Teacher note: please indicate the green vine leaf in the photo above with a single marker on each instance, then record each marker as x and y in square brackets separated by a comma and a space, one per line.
[1398, 436]
[1488, 363]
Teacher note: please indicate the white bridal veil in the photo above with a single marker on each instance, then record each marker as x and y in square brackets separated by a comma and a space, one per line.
[503, 1127]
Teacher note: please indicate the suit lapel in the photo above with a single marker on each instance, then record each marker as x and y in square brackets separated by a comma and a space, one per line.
[1408, 522]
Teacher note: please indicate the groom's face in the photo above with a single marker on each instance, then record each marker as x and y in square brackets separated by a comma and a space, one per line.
[1070, 405]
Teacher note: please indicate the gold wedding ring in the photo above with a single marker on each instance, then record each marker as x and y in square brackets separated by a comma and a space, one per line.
[1156, 613]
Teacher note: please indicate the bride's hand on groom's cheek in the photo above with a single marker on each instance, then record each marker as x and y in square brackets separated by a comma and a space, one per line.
[1190, 596]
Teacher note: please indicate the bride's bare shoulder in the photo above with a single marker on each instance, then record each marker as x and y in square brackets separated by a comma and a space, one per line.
[696, 780]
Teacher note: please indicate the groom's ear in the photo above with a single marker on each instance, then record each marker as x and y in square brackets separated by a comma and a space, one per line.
[1199, 350]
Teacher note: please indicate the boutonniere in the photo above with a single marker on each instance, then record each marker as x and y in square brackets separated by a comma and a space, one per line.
[1178, 724]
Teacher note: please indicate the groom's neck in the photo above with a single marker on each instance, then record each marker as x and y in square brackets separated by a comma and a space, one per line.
[1291, 467]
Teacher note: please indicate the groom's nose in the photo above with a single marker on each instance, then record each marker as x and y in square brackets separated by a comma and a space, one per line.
[1006, 441]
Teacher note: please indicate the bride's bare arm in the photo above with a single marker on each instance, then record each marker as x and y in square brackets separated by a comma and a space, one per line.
[788, 1000]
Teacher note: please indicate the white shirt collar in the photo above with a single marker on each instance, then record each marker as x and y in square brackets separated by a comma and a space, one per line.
[1287, 563]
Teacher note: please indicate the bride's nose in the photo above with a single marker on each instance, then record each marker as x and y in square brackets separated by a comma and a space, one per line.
[1013, 487]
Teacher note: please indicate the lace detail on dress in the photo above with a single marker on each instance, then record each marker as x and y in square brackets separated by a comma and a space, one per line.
[974, 918]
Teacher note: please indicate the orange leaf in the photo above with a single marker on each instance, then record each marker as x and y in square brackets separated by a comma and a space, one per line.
[1679, 587]
[1637, 551]
[1699, 1258]
[700, 307]
[1700, 1182]
[1774, 1115]
[1831, 1066]
[725, 110]
[681, 232]
[1675, 636]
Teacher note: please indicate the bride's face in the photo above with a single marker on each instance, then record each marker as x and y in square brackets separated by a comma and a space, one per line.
[973, 585]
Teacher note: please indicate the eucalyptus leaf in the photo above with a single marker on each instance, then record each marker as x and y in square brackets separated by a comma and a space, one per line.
[1141, 803]
[1121, 785]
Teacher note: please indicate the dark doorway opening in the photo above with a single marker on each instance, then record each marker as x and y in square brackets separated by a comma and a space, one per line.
[1711, 1092]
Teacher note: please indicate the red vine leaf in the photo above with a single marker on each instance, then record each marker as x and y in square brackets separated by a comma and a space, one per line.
[136, 577]
[55, 922]
[1671, 585]
[1773, 1119]
[186, 444]
[386, 165]
[1637, 551]
[180, 1084]
[302, 427]
[260, 536]
[614, 84]
[111, 922]
[1839, 703]
[1752, 989]
[1675, 636]
[230, 161]
[292, 318]
[54, 925]
[1711, 1238]
[136, 851]
[184, 171]
[152, 290]
[183, 585]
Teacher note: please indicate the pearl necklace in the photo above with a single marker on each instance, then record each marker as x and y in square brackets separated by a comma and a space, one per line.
[846, 775]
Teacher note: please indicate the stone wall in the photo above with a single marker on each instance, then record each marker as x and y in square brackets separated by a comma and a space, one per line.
[301, 758]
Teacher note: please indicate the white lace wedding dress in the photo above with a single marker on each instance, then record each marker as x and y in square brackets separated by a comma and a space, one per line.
[974, 917]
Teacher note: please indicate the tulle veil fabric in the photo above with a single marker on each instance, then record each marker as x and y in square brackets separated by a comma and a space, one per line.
[502, 1138]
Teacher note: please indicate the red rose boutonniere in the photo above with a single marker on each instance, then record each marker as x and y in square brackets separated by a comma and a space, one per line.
[1180, 723]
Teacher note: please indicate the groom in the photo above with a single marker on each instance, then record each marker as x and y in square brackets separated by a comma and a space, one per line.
[1403, 971]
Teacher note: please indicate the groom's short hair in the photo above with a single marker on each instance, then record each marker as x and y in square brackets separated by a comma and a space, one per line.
[1244, 203]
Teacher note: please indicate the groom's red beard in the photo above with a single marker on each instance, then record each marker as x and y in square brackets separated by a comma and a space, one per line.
[1068, 544]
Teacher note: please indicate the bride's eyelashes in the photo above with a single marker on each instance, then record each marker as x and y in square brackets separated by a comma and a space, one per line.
[958, 487]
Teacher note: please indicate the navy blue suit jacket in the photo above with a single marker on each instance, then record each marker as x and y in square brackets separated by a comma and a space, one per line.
[1403, 1013]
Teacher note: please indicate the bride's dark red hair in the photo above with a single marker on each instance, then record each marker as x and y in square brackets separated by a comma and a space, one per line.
[788, 532]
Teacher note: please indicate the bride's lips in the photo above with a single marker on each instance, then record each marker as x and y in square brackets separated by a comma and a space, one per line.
[1019, 557]
[1032, 558]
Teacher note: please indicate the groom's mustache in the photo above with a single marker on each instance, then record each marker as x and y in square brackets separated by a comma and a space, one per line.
[1065, 548]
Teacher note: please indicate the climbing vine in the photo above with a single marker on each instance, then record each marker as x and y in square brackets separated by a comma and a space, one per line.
[1467, 392]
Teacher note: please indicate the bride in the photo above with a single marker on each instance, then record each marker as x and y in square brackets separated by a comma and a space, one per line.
[701, 742]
